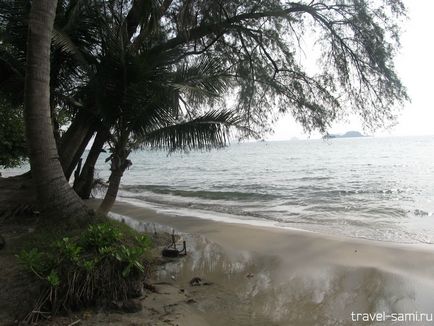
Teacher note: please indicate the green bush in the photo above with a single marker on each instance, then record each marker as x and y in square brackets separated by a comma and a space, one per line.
[100, 265]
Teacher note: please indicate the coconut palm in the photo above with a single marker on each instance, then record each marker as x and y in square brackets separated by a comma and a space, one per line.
[211, 130]
[154, 103]
[256, 41]
[74, 41]
[138, 98]
[73, 44]
[55, 196]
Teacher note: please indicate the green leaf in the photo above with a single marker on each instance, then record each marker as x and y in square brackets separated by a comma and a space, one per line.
[210, 130]
[53, 278]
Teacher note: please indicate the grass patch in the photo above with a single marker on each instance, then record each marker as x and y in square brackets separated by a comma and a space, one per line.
[107, 261]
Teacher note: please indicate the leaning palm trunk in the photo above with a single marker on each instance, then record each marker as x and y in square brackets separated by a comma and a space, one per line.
[55, 196]
[119, 164]
[112, 192]
[83, 184]
[75, 140]
[210, 130]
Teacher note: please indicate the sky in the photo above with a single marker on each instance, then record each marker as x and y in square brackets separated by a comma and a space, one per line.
[415, 66]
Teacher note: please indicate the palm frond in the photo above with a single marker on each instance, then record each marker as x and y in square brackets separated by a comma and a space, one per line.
[211, 130]
[151, 113]
[64, 43]
[201, 81]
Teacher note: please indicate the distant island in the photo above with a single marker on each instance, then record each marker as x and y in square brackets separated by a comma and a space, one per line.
[348, 134]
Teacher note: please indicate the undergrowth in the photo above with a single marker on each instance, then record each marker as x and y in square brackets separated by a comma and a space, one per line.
[107, 262]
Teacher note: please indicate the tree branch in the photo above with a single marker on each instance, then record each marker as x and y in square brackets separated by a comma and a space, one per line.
[216, 28]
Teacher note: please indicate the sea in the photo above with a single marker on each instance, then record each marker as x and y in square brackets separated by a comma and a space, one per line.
[372, 188]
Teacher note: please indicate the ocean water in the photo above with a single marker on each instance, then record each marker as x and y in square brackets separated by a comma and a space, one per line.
[373, 188]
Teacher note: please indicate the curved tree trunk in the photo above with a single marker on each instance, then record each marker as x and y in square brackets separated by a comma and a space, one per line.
[17, 194]
[55, 197]
[75, 140]
[119, 163]
[83, 184]
[112, 192]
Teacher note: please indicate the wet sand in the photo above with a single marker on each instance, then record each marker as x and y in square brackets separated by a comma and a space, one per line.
[270, 276]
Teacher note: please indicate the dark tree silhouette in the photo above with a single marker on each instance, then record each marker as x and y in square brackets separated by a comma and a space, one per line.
[260, 45]
[55, 196]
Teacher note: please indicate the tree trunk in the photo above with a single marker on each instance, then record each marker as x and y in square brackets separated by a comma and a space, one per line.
[56, 198]
[83, 184]
[119, 163]
[17, 195]
[112, 192]
[75, 140]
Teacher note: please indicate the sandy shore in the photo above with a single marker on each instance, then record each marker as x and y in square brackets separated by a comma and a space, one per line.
[270, 276]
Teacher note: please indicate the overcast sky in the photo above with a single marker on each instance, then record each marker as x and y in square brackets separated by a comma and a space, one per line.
[415, 66]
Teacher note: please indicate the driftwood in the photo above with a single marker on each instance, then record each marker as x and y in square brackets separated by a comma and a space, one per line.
[172, 251]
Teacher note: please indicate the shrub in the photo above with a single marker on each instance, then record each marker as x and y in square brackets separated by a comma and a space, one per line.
[100, 265]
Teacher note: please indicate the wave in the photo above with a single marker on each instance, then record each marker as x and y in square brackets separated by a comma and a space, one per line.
[315, 197]
[379, 230]
[202, 194]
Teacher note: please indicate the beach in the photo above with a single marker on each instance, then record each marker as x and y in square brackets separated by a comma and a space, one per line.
[274, 276]
[194, 163]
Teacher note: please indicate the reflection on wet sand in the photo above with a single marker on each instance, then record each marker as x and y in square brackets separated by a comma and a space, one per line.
[247, 290]
[258, 284]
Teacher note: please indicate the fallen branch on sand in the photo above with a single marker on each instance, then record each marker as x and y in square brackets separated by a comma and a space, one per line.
[172, 251]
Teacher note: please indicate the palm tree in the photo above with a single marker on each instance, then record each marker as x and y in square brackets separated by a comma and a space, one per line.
[209, 131]
[134, 95]
[247, 36]
[74, 41]
[55, 196]
[160, 106]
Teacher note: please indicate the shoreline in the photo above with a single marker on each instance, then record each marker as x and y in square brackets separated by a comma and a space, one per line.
[267, 224]
[262, 223]
[179, 219]
[225, 234]
[298, 277]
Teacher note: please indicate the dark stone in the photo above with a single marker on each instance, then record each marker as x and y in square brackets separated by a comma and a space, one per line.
[2, 242]
[172, 253]
[196, 281]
